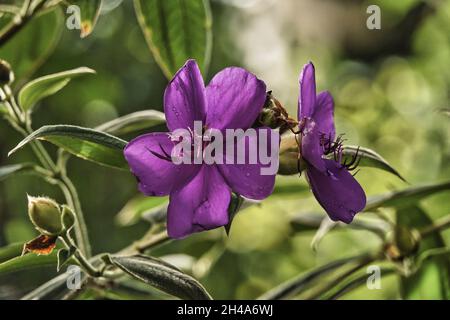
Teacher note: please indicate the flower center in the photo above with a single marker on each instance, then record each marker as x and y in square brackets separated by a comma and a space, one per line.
[336, 148]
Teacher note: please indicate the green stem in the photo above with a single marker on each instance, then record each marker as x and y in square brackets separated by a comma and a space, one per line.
[73, 201]
[328, 286]
[82, 260]
[439, 225]
[22, 123]
[150, 240]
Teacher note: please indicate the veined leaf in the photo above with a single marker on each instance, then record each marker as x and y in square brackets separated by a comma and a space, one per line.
[26, 262]
[368, 158]
[89, 11]
[141, 206]
[133, 122]
[88, 144]
[162, 276]
[405, 197]
[31, 46]
[42, 87]
[432, 280]
[175, 31]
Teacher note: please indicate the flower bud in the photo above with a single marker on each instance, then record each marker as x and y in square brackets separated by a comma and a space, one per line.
[45, 214]
[6, 74]
[404, 243]
[291, 161]
[406, 240]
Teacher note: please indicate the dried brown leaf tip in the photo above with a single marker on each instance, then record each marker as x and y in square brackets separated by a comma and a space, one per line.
[42, 245]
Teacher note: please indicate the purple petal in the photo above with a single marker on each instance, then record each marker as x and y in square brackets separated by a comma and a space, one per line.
[149, 159]
[200, 205]
[324, 115]
[235, 99]
[307, 98]
[184, 98]
[247, 179]
[337, 192]
[312, 151]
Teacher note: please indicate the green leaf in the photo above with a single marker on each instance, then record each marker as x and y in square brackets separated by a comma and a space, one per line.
[63, 257]
[432, 280]
[368, 158]
[13, 169]
[26, 262]
[133, 122]
[52, 289]
[303, 282]
[32, 45]
[67, 218]
[85, 143]
[89, 12]
[141, 206]
[3, 109]
[405, 197]
[42, 87]
[10, 251]
[175, 31]
[162, 276]
[353, 282]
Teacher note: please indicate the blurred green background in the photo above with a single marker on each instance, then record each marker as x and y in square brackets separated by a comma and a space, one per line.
[389, 86]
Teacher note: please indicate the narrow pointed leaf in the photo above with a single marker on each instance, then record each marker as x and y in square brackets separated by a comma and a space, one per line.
[88, 144]
[368, 158]
[27, 262]
[175, 31]
[14, 169]
[10, 251]
[162, 276]
[133, 122]
[304, 281]
[353, 283]
[42, 87]
[405, 197]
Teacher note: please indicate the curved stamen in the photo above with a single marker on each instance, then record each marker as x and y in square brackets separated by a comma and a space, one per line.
[165, 157]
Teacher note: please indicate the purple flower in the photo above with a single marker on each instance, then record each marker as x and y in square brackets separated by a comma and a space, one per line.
[333, 185]
[200, 193]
